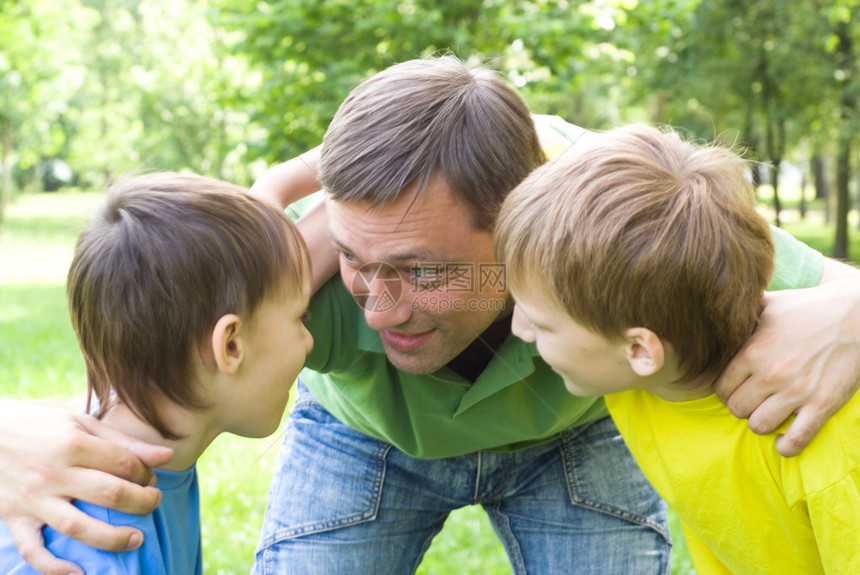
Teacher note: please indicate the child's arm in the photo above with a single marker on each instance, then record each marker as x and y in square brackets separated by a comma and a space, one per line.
[290, 181]
[803, 359]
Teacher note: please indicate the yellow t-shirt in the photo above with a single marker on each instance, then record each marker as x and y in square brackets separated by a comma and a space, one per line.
[744, 508]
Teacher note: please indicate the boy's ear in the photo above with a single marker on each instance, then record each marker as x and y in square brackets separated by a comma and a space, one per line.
[644, 351]
[227, 345]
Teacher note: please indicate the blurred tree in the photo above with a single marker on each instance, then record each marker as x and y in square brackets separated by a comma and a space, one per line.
[162, 84]
[223, 86]
[116, 86]
[844, 18]
[778, 78]
[567, 60]
[37, 40]
[310, 54]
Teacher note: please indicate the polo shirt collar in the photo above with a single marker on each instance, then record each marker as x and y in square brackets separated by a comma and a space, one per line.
[514, 362]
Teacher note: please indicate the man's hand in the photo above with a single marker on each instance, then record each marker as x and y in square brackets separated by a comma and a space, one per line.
[49, 456]
[803, 359]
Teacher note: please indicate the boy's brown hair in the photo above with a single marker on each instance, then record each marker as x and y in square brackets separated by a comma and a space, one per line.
[418, 117]
[644, 229]
[157, 265]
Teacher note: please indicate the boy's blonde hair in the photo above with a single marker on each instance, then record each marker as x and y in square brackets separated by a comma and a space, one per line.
[155, 268]
[643, 229]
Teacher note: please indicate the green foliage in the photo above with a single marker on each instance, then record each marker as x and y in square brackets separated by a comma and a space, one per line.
[224, 87]
[116, 86]
[311, 54]
[38, 40]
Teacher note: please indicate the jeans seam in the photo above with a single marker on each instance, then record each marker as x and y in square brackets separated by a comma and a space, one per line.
[306, 399]
[437, 528]
[507, 537]
[503, 483]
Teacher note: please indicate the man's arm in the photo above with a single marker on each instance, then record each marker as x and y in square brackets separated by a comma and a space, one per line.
[49, 456]
[313, 226]
[290, 181]
[803, 359]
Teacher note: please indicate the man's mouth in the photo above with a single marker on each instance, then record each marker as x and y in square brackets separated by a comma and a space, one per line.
[405, 342]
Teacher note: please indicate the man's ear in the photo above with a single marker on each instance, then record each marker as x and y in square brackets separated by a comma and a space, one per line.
[644, 351]
[227, 345]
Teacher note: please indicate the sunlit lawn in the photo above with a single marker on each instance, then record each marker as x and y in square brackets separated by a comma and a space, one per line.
[39, 358]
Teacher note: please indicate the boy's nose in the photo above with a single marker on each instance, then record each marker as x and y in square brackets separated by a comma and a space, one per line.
[520, 326]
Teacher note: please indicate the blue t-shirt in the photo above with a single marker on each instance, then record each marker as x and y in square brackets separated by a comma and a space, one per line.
[171, 534]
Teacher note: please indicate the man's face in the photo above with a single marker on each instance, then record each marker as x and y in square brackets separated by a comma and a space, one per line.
[426, 278]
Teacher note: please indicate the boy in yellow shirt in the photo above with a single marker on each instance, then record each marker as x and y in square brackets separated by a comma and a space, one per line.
[639, 265]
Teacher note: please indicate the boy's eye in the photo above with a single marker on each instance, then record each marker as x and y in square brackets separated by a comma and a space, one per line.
[306, 316]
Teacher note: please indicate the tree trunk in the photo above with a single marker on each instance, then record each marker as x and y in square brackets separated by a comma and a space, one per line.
[843, 176]
[857, 193]
[820, 177]
[6, 181]
[777, 204]
[822, 187]
[775, 134]
[844, 52]
[804, 177]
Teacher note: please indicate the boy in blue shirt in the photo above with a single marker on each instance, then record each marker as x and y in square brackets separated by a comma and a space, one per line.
[187, 295]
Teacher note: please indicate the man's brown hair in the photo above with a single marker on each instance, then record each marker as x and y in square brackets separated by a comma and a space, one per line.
[418, 117]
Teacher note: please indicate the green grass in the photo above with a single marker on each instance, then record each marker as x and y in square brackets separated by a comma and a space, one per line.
[39, 358]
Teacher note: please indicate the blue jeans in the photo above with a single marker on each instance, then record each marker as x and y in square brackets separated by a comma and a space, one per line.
[344, 503]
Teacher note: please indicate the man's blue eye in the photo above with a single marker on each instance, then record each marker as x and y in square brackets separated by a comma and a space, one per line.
[425, 272]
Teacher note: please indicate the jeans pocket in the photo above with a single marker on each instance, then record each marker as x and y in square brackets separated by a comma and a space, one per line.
[602, 475]
[327, 476]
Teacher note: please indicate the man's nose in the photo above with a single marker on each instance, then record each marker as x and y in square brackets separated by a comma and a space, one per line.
[385, 297]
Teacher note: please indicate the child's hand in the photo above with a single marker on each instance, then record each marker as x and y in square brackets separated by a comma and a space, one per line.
[49, 456]
[803, 359]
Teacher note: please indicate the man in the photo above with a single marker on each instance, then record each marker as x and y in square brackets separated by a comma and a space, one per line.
[421, 401]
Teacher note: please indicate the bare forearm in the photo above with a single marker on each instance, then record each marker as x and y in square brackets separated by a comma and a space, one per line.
[313, 226]
[835, 270]
[290, 181]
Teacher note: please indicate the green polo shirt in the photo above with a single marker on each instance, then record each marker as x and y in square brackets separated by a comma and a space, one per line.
[796, 265]
[517, 401]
